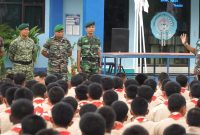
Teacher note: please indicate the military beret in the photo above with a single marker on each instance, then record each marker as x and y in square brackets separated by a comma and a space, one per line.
[88, 24]
[23, 26]
[58, 28]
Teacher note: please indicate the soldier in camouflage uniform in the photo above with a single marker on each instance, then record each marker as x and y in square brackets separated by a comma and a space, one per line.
[57, 50]
[88, 55]
[21, 52]
[195, 51]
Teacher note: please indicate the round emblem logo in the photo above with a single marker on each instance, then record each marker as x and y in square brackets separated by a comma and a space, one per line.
[163, 26]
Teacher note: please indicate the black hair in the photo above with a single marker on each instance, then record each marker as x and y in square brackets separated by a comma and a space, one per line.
[109, 97]
[95, 91]
[109, 115]
[4, 87]
[31, 124]
[152, 83]
[162, 76]
[56, 94]
[174, 129]
[171, 88]
[19, 78]
[72, 101]
[87, 108]
[182, 80]
[47, 132]
[57, 114]
[129, 82]
[118, 83]
[193, 117]
[140, 78]
[76, 80]
[63, 84]
[29, 84]
[87, 82]
[131, 91]
[194, 82]
[81, 92]
[92, 124]
[10, 94]
[121, 110]
[39, 90]
[176, 102]
[107, 83]
[136, 130]
[84, 75]
[145, 92]
[195, 90]
[139, 106]
[49, 79]
[23, 93]
[58, 75]
[21, 108]
[164, 82]
[51, 85]
[95, 78]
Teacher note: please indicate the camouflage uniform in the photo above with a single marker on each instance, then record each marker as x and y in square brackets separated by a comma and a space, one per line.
[58, 50]
[90, 48]
[21, 54]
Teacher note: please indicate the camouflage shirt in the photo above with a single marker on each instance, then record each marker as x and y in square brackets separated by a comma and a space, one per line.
[21, 49]
[90, 47]
[58, 49]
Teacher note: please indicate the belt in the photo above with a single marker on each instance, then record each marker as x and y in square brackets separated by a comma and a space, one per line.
[90, 59]
[23, 62]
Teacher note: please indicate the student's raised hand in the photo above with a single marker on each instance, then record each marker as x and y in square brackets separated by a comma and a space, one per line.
[183, 38]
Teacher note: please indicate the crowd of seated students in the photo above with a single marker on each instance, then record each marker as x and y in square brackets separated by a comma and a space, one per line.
[99, 105]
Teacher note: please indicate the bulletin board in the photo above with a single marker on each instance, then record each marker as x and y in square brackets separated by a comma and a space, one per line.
[72, 24]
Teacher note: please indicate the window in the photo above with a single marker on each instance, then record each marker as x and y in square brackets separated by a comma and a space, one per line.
[180, 9]
[14, 12]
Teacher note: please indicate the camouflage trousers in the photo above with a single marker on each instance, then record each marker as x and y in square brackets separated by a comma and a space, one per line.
[26, 69]
[90, 67]
[58, 68]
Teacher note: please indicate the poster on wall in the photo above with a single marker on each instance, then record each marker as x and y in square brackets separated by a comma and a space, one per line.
[73, 24]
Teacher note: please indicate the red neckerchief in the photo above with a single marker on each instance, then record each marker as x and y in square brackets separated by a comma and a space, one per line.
[153, 98]
[118, 125]
[183, 90]
[46, 116]
[97, 103]
[166, 103]
[195, 101]
[176, 116]
[38, 110]
[64, 133]
[119, 90]
[17, 128]
[38, 100]
[140, 119]
[8, 111]
[82, 103]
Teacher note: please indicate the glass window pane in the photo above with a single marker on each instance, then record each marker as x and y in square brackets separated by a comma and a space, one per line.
[34, 16]
[10, 14]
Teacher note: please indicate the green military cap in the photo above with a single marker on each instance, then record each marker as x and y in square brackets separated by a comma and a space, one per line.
[58, 28]
[23, 26]
[88, 24]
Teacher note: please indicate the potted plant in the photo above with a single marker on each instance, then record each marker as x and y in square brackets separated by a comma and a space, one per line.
[73, 69]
